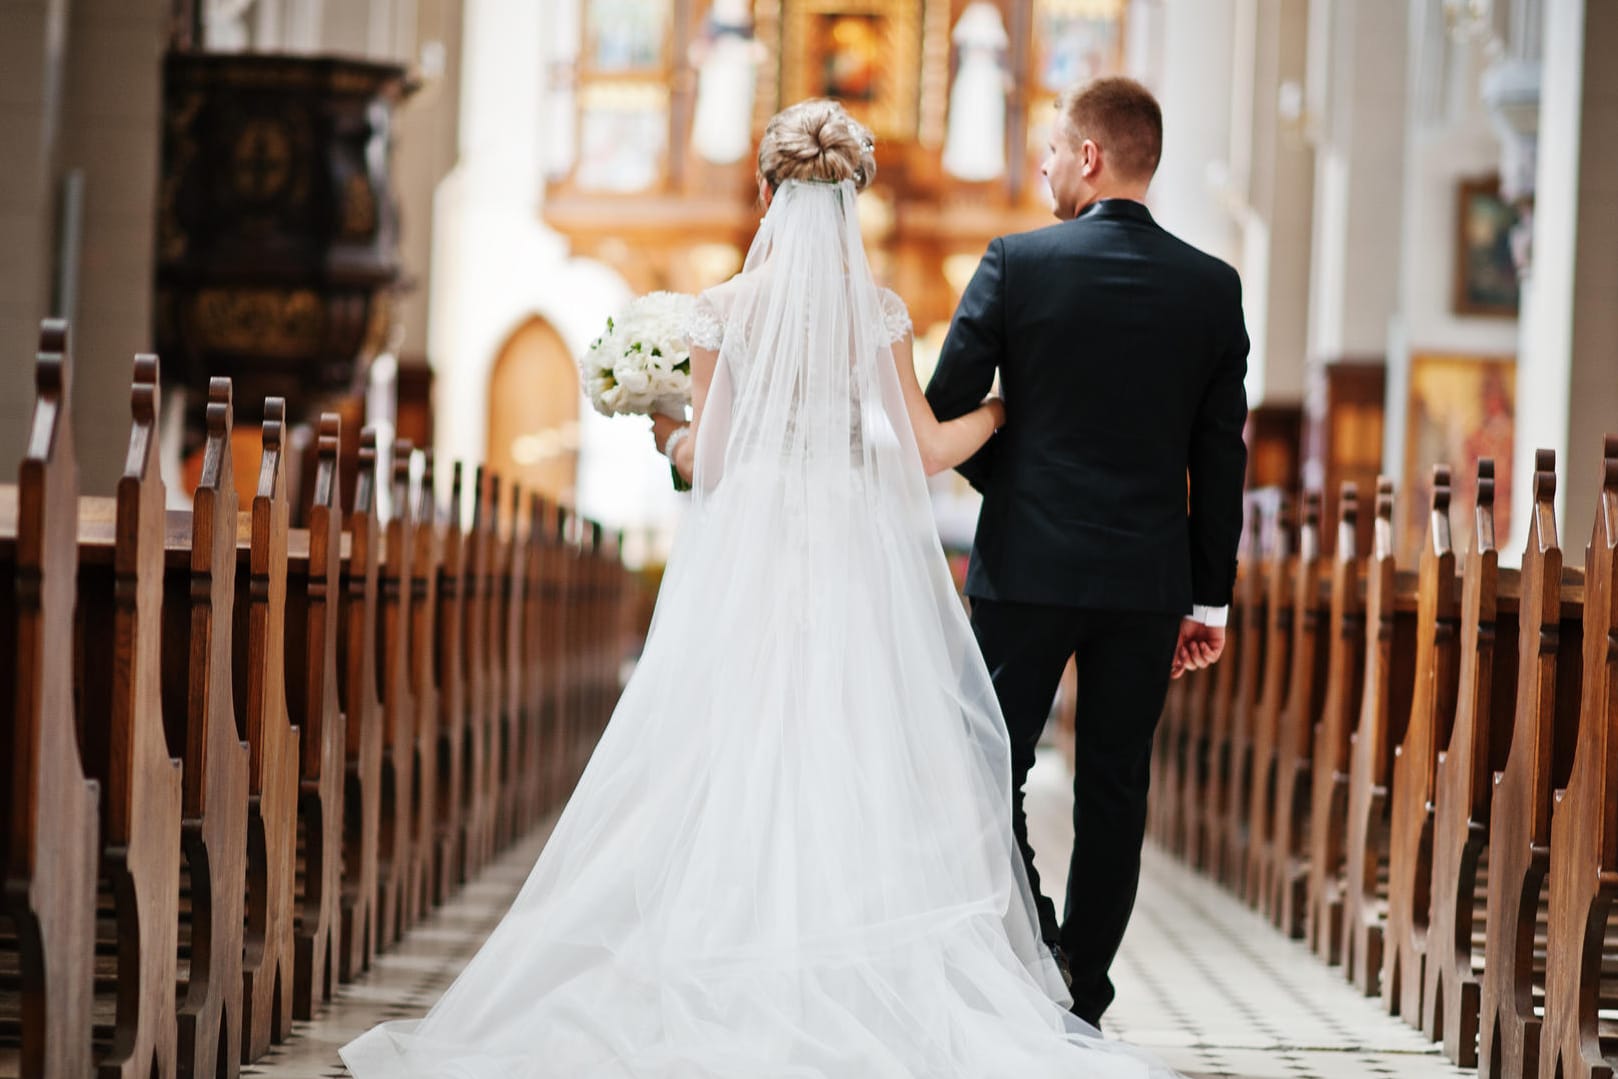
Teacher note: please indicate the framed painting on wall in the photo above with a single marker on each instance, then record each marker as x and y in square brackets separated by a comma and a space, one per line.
[1485, 271]
[1460, 409]
[865, 53]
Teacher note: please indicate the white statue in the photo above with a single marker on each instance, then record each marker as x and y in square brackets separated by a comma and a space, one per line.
[975, 145]
[725, 56]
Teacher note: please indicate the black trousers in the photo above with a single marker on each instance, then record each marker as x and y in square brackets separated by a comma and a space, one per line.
[1123, 667]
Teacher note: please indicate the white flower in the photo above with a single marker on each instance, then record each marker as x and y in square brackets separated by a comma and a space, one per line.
[642, 363]
[634, 380]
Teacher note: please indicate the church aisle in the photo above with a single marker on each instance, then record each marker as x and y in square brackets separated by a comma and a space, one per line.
[1205, 983]
[1212, 989]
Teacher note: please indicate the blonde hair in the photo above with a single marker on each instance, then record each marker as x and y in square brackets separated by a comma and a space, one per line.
[817, 140]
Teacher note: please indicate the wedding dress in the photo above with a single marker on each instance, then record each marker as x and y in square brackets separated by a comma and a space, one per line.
[790, 856]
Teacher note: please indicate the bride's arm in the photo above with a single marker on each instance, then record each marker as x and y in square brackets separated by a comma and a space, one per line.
[942, 445]
[703, 362]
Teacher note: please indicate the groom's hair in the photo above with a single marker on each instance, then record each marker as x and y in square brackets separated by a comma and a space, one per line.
[1123, 118]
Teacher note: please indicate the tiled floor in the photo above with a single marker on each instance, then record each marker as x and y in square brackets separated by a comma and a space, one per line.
[1213, 990]
[1203, 982]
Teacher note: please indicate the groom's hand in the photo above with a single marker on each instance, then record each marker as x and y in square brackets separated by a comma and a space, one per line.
[1199, 647]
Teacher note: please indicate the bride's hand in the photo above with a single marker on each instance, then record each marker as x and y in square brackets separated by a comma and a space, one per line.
[662, 427]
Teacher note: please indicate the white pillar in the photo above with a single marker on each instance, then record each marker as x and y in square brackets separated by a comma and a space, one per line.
[112, 124]
[1194, 42]
[1567, 378]
[426, 146]
[32, 44]
[1355, 110]
[1272, 180]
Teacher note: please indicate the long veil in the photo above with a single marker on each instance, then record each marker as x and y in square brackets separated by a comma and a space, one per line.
[791, 853]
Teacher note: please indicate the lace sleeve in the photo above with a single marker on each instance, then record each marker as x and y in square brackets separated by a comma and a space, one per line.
[703, 329]
[895, 316]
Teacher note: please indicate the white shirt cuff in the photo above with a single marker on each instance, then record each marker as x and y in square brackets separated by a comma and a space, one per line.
[1210, 616]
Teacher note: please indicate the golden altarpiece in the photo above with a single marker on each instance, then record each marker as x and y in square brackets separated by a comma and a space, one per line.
[659, 107]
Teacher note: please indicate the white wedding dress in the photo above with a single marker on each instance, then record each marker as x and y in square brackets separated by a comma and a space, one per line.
[791, 854]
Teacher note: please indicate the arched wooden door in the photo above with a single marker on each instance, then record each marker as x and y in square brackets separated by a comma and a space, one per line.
[534, 412]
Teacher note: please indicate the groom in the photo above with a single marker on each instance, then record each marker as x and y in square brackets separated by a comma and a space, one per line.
[1112, 498]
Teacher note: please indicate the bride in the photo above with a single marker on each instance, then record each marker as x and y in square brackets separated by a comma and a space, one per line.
[791, 855]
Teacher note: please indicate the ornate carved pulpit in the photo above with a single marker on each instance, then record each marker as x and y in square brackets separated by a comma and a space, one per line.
[277, 230]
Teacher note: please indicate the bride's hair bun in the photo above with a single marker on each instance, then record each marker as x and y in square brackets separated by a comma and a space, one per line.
[817, 140]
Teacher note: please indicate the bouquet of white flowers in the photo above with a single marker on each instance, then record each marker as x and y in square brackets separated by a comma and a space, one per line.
[642, 364]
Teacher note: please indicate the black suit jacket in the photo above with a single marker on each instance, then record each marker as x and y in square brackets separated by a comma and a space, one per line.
[1121, 353]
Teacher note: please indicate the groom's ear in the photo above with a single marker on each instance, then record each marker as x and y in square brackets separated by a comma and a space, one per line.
[1090, 157]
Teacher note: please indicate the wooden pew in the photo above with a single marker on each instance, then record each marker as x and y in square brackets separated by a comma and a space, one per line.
[1277, 571]
[1333, 738]
[199, 598]
[1188, 833]
[496, 558]
[1432, 714]
[1221, 711]
[50, 843]
[604, 631]
[1288, 895]
[425, 669]
[314, 600]
[559, 649]
[1170, 759]
[120, 614]
[1384, 705]
[532, 767]
[362, 707]
[513, 734]
[400, 723]
[243, 880]
[569, 627]
[261, 584]
[1166, 768]
[474, 817]
[502, 544]
[1451, 995]
[1254, 611]
[1548, 658]
[453, 694]
[1579, 1043]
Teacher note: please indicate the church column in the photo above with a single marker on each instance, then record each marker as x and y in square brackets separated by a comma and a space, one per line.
[1189, 56]
[1271, 185]
[112, 123]
[426, 148]
[1355, 113]
[33, 37]
[1567, 382]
